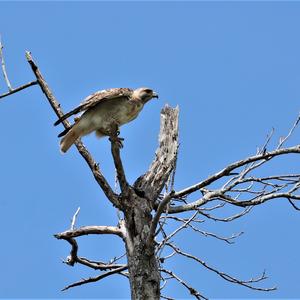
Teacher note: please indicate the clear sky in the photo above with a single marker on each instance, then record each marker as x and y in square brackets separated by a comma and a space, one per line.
[234, 70]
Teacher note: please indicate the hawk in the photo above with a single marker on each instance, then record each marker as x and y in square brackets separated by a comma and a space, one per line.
[103, 110]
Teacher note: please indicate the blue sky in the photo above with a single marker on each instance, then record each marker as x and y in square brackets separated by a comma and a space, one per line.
[234, 70]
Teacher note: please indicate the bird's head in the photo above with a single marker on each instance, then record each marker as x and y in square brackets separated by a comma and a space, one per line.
[144, 94]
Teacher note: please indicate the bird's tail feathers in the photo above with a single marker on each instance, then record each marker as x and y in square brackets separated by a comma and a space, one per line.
[65, 131]
[69, 139]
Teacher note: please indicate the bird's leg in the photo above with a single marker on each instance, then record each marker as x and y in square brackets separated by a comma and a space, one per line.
[114, 134]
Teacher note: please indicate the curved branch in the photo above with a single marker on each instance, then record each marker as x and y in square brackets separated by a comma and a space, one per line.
[4, 68]
[85, 230]
[227, 277]
[94, 279]
[70, 235]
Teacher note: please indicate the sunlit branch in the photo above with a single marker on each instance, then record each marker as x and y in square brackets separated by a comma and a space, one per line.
[246, 283]
[191, 290]
[4, 68]
[94, 279]
[225, 172]
[18, 89]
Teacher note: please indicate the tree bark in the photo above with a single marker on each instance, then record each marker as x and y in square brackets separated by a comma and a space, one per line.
[143, 267]
[138, 205]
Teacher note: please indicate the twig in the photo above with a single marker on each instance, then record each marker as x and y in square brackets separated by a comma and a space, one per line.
[3, 67]
[283, 140]
[192, 291]
[156, 218]
[97, 265]
[115, 150]
[22, 87]
[113, 260]
[188, 223]
[184, 225]
[94, 279]
[74, 219]
[246, 283]
[163, 259]
[166, 297]
[211, 234]
[293, 204]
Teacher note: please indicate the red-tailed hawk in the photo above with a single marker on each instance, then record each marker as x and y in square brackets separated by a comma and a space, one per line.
[102, 110]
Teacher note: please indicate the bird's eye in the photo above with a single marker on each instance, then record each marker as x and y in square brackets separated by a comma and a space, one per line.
[148, 91]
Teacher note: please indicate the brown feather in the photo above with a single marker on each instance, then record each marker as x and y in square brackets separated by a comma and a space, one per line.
[92, 100]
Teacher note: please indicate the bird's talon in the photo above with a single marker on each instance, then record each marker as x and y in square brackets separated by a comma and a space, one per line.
[120, 142]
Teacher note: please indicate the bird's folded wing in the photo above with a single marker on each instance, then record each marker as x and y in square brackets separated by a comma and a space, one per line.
[96, 98]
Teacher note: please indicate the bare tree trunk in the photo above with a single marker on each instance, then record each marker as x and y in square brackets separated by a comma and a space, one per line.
[143, 267]
[141, 200]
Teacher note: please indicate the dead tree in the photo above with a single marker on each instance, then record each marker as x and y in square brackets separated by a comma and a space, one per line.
[151, 204]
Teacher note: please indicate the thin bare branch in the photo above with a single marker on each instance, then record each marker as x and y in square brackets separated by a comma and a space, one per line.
[113, 260]
[94, 279]
[94, 167]
[246, 283]
[163, 259]
[220, 205]
[263, 149]
[283, 140]
[192, 291]
[293, 204]
[3, 67]
[74, 219]
[230, 218]
[156, 218]
[175, 218]
[18, 89]
[166, 297]
[228, 240]
[259, 157]
[184, 225]
[97, 265]
[115, 150]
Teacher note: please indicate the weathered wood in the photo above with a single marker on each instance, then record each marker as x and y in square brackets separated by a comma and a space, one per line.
[143, 266]
[153, 181]
[144, 274]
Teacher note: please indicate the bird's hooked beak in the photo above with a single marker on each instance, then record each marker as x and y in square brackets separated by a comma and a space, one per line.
[155, 95]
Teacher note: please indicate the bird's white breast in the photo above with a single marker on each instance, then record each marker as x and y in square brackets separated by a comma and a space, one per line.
[104, 114]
